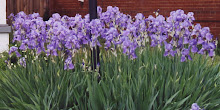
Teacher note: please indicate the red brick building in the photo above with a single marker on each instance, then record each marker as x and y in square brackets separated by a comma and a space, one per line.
[206, 12]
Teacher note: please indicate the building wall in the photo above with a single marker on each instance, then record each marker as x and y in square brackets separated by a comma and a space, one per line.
[2, 12]
[4, 37]
[207, 12]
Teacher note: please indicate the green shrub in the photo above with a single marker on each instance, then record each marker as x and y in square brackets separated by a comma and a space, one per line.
[150, 82]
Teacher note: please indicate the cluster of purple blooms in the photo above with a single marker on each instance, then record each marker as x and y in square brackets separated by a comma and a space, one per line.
[66, 35]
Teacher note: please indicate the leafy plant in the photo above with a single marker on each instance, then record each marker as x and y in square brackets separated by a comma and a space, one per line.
[42, 85]
[130, 75]
[154, 82]
[149, 82]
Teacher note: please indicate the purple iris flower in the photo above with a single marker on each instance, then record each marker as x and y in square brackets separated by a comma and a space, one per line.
[153, 43]
[18, 54]
[194, 49]
[211, 52]
[168, 50]
[208, 36]
[22, 14]
[193, 42]
[23, 47]
[22, 62]
[212, 45]
[185, 51]
[12, 49]
[34, 15]
[56, 16]
[99, 10]
[200, 40]
[201, 51]
[139, 16]
[204, 31]
[184, 25]
[68, 65]
[195, 106]
[185, 55]
[190, 15]
[186, 40]
[197, 27]
[183, 58]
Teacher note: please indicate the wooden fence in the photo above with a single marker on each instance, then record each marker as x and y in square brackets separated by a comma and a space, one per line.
[28, 6]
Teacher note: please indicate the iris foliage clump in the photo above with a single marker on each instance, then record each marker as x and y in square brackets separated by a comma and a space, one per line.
[143, 63]
[151, 81]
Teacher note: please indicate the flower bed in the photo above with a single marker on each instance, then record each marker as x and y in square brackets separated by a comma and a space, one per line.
[143, 63]
[112, 31]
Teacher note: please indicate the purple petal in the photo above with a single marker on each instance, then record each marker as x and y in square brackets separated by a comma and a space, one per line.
[55, 53]
[200, 40]
[194, 49]
[168, 46]
[166, 53]
[208, 36]
[185, 41]
[183, 58]
[65, 67]
[195, 106]
[39, 50]
[211, 53]
[189, 57]
[23, 47]
[212, 45]
[18, 54]
[201, 51]
[185, 51]
[197, 27]
[172, 53]
[71, 66]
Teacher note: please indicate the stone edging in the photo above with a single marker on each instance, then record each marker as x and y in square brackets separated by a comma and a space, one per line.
[4, 28]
